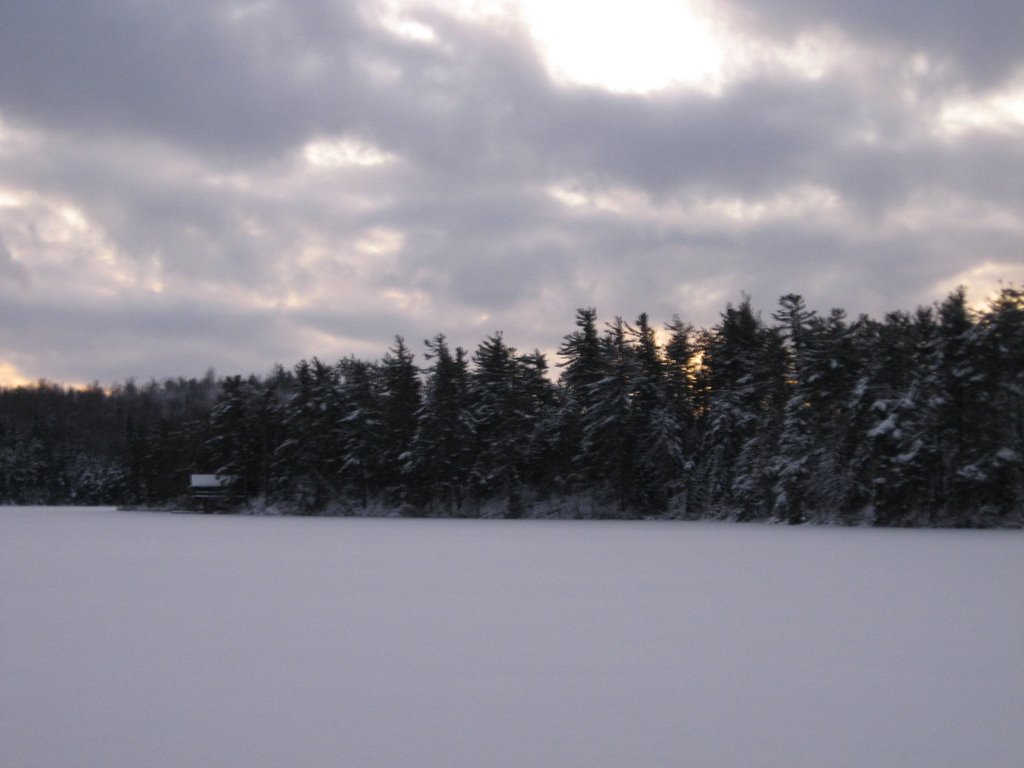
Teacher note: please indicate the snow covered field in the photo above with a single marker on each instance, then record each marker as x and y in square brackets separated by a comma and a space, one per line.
[134, 639]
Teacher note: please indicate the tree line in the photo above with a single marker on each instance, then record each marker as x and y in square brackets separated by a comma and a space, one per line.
[914, 420]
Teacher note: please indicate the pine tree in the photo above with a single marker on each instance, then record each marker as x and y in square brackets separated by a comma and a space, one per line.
[794, 461]
[244, 429]
[230, 445]
[997, 417]
[400, 401]
[538, 401]
[745, 375]
[682, 402]
[308, 461]
[660, 457]
[582, 367]
[955, 378]
[609, 445]
[361, 428]
[502, 426]
[900, 416]
[439, 457]
[828, 376]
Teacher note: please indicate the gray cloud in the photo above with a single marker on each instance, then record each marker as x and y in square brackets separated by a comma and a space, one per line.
[981, 38]
[158, 338]
[165, 216]
[209, 74]
[11, 270]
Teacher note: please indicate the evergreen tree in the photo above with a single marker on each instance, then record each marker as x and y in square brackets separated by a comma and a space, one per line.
[955, 376]
[794, 461]
[308, 460]
[362, 439]
[914, 420]
[996, 471]
[582, 367]
[900, 415]
[538, 401]
[660, 459]
[440, 455]
[400, 402]
[745, 375]
[502, 425]
[609, 445]
[827, 379]
[244, 430]
[683, 404]
[230, 444]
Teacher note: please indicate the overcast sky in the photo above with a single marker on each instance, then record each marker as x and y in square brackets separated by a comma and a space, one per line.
[234, 184]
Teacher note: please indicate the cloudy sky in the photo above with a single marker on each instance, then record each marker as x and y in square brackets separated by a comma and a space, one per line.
[234, 183]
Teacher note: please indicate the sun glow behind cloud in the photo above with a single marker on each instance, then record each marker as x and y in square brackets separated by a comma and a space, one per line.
[640, 46]
[985, 281]
[10, 376]
[636, 47]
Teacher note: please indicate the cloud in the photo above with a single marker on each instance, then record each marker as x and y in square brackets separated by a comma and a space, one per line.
[10, 269]
[231, 78]
[238, 183]
[981, 40]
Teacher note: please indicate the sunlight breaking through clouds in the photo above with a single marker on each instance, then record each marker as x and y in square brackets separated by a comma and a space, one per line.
[1000, 112]
[640, 46]
[10, 199]
[344, 151]
[11, 377]
[636, 47]
[985, 280]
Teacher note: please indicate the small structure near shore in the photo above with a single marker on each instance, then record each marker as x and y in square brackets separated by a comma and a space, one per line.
[213, 493]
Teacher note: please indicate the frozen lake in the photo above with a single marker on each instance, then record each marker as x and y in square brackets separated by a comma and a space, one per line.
[133, 639]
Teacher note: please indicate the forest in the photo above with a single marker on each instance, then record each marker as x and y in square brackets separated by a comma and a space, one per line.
[913, 420]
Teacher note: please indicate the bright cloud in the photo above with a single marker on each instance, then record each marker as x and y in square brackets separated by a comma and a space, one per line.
[11, 377]
[806, 203]
[999, 112]
[343, 151]
[60, 248]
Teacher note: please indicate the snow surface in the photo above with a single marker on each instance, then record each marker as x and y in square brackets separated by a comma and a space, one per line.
[152, 639]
